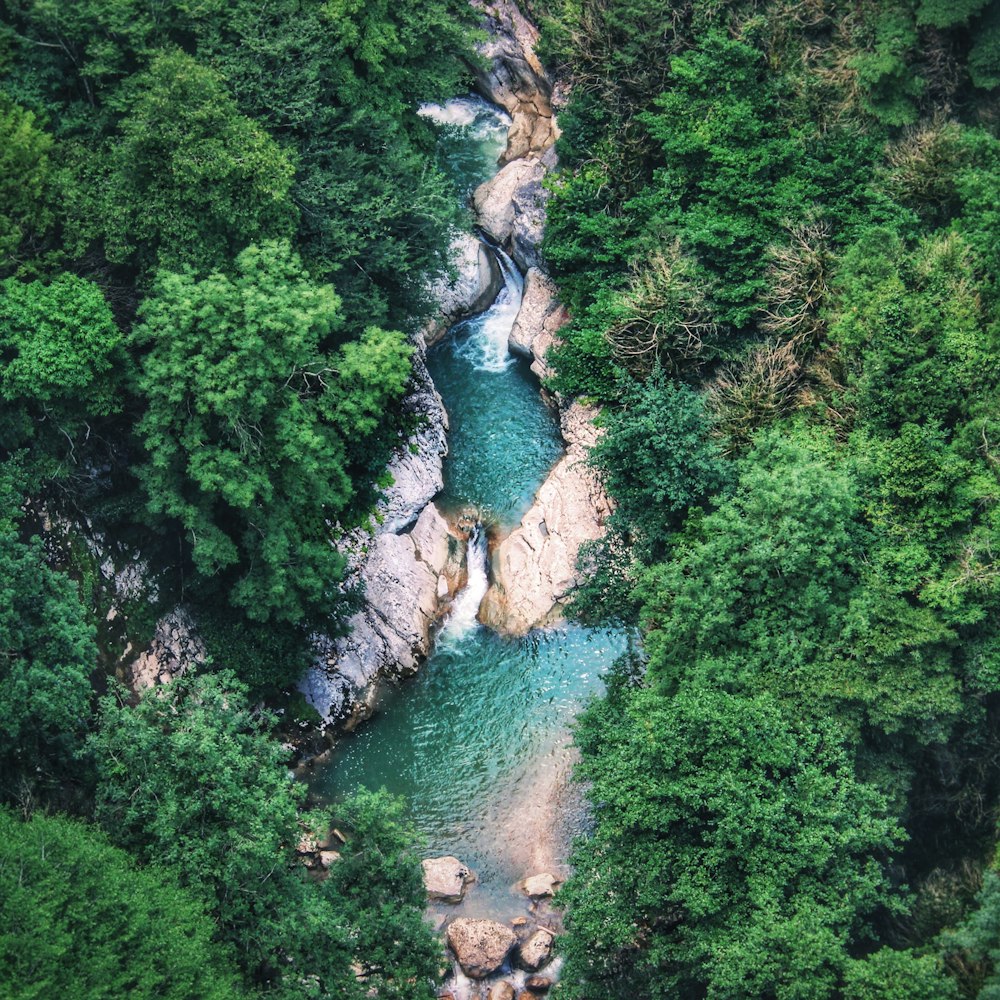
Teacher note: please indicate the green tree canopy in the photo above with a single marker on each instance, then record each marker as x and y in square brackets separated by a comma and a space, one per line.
[736, 854]
[191, 779]
[79, 919]
[253, 421]
[192, 180]
[63, 359]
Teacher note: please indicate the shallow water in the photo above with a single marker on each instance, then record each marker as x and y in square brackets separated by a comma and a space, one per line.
[478, 742]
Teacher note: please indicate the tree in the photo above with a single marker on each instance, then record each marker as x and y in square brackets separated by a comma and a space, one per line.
[658, 457]
[24, 178]
[79, 919]
[735, 853]
[252, 424]
[380, 891]
[190, 778]
[63, 359]
[192, 181]
[47, 654]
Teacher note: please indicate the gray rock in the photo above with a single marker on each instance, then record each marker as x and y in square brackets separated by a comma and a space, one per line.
[481, 946]
[390, 636]
[416, 465]
[538, 321]
[174, 648]
[511, 208]
[536, 951]
[473, 289]
[446, 879]
[513, 77]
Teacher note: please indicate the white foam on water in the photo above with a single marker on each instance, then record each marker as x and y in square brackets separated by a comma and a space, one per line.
[484, 340]
[462, 618]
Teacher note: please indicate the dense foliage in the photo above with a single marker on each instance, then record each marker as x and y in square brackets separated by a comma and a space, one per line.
[218, 225]
[80, 920]
[775, 226]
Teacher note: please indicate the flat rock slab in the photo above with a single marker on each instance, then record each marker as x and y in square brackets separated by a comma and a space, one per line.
[446, 878]
[481, 946]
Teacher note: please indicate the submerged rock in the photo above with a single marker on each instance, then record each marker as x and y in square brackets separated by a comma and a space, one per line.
[446, 879]
[541, 886]
[481, 946]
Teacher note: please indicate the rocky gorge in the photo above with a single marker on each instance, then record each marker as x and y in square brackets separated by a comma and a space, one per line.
[417, 560]
[412, 563]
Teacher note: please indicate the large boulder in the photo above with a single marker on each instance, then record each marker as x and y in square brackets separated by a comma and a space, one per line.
[510, 208]
[533, 570]
[541, 886]
[536, 951]
[475, 286]
[481, 946]
[502, 991]
[446, 878]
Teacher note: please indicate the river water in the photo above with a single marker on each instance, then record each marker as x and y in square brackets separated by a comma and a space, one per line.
[478, 741]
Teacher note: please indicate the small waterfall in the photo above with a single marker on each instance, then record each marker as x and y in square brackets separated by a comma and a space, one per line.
[483, 340]
[462, 618]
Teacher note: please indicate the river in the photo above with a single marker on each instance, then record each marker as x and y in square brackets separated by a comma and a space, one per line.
[478, 742]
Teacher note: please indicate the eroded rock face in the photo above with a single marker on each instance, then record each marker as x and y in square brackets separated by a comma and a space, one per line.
[481, 946]
[511, 208]
[175, 647]
[538, 321]
[534, 568]
[446, 879]
[390, 636]
[514, 78]
[475, 287]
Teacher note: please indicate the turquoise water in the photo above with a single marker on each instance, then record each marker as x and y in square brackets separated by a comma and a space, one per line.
[478, 741]
[502, 438]
[472, 134]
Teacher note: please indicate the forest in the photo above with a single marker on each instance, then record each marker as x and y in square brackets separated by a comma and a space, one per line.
[218, 221]
[776, 228]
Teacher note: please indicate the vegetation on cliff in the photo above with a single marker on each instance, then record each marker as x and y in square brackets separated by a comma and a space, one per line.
[776, 229]
[215, 220]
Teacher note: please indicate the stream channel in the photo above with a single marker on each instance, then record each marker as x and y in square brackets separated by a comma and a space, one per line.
[478, 742]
